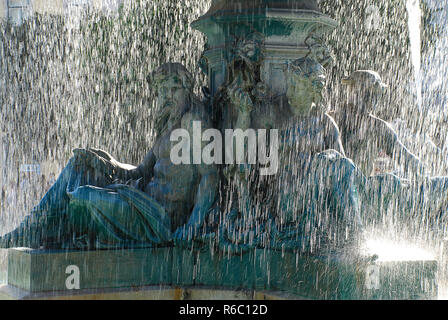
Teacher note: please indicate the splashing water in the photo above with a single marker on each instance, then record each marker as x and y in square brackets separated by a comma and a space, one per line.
[80, 81]
[414, 14]
[391, 250]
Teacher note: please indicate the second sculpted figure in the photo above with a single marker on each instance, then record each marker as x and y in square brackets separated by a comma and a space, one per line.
[313, 200]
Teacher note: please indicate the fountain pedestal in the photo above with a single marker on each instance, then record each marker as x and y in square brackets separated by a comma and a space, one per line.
[171, 273]
[287, 29]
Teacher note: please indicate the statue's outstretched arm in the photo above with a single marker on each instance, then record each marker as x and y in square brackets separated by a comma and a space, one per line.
[397, 150]
[333, 135]
[102, 160]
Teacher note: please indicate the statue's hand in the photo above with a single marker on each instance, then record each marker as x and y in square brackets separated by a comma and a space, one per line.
[82, 157]
[89, 160]
[102, 154]
[240, 98]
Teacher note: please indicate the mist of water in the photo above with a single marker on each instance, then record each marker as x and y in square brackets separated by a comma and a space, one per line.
[80, 81]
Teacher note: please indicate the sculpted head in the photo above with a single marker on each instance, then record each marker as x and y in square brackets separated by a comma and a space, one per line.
[364, 90]
[305, 82]
[174, 85]
[249, 49]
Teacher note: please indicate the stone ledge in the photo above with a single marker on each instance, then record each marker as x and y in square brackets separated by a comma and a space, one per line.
[128, 274]
[43, 270]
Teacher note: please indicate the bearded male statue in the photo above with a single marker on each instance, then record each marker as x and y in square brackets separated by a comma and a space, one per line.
[98, 202]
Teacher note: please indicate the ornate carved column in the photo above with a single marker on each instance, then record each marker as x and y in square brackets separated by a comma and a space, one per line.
[288, 30]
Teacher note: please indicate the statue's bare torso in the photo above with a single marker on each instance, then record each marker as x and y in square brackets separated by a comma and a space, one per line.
[171, 185]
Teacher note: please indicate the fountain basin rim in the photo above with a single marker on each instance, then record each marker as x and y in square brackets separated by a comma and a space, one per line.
[334, 276]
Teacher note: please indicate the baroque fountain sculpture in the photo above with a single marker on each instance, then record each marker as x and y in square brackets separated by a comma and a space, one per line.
[265, 62]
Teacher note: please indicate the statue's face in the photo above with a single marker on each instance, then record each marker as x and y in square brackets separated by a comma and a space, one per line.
[304, 92]
[249, 49]
[172, 98]
[171, 94]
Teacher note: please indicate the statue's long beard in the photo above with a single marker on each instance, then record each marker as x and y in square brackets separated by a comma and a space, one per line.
[161, 123]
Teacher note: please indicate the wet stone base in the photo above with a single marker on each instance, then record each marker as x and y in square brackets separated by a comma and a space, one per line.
[145, 293]
[185, 274]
